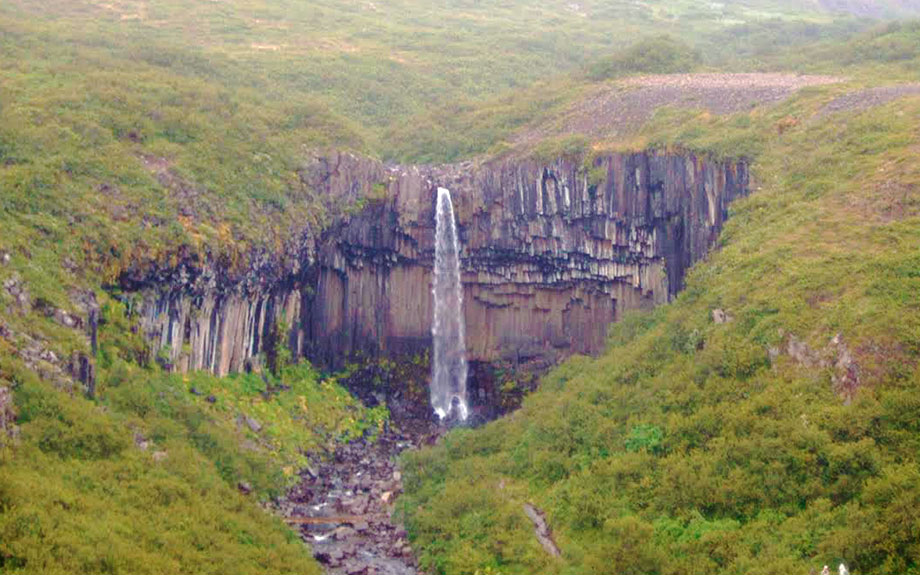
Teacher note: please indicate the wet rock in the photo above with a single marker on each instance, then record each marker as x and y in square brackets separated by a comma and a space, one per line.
[343, 533]
[8, 428]
[326, 557]
[17, 289]
[356, 505]
[367, 536]
[360, 526]
[250, 422]
[541, 529]
[83, 370]
[85, 303]
[141, 442]
[211, 399]
[719, 317]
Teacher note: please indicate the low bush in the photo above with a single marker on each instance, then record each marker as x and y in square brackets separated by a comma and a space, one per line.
[655, 55]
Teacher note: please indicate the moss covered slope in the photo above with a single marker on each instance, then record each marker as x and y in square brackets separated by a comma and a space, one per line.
[765, 422]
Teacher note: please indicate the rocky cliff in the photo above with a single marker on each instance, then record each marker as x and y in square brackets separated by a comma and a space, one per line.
[552, 253]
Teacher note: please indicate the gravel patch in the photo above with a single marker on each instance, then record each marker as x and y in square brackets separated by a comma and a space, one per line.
[869, 98]
[623, 107]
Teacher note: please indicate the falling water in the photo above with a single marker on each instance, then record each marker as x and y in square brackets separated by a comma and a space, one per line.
[448, 369]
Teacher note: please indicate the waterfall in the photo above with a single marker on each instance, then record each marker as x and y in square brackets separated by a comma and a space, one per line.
[448, 367]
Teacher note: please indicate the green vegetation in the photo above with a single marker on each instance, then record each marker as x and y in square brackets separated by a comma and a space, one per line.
[296, 414]
[133, 131]
[574, 147]
[162, 472]
[655, 55]
[77, 495]
[762, 44]
[699, 447]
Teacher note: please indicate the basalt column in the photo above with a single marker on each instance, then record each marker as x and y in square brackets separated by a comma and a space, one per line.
[552, 253]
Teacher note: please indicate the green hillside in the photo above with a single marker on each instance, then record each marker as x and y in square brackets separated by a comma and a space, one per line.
[766, 421]
[160, 474]
[133, 132]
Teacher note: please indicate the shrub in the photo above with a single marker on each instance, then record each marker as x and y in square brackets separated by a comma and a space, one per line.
[644, 437]
[655, 55]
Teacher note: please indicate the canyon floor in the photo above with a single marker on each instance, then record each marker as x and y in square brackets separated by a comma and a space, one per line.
[343, 508]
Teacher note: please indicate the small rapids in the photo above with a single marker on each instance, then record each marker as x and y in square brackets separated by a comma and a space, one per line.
[342, 508]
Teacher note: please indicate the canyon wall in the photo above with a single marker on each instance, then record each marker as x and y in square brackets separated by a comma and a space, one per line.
[552, 253]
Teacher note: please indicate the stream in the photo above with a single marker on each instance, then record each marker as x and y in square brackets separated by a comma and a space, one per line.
[343, 508]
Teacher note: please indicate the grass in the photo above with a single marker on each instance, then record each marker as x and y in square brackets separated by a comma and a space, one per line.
[133, 131]
[656, 55]
[150, 476]
[696, 447]
[77, 495]
[127, 134]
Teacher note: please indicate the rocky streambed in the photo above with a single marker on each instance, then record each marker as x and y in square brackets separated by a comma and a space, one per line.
[344, 507]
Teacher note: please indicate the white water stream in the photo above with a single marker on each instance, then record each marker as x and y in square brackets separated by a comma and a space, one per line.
[448, 367]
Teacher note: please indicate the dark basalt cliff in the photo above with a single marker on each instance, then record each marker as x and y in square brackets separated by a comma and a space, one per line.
[552, 253]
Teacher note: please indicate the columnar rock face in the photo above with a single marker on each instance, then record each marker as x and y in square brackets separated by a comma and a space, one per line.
[551, 254]
[217, 332]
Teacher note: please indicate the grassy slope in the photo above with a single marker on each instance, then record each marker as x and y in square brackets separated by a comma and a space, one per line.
[77, 495]
[685, 448]
[144, 480]
[130, 129]
[381, 61]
